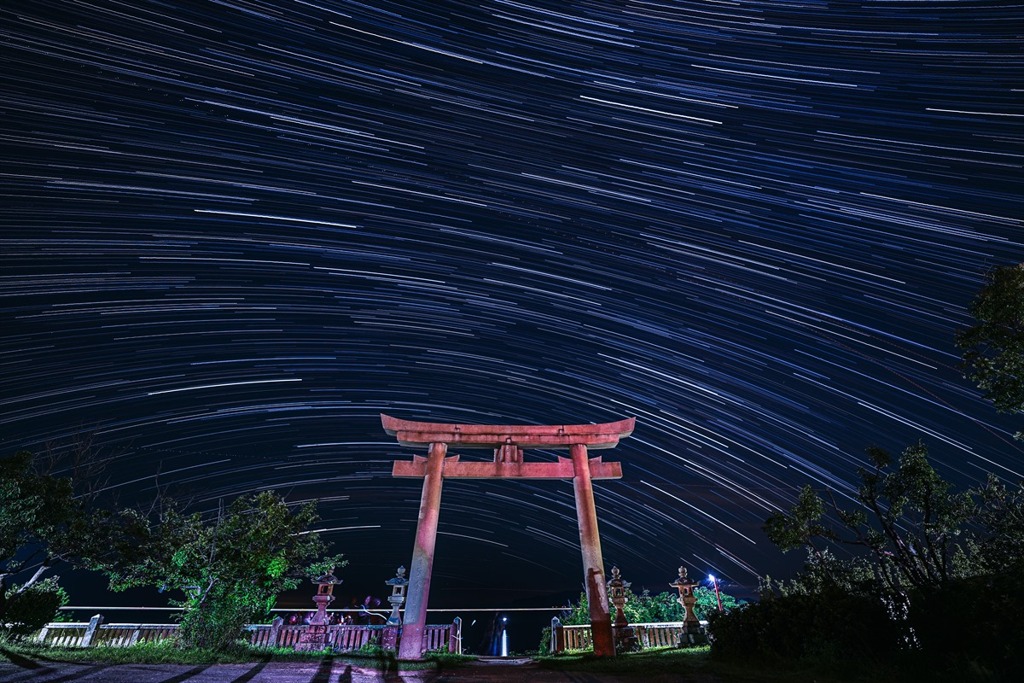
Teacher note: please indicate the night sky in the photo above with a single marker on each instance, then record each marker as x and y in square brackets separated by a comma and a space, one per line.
[235, 232]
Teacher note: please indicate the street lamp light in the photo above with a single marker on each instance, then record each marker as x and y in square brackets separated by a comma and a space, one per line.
[718, 596]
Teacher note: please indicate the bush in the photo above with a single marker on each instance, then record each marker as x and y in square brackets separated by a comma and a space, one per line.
[216, 624]
[974, 626]
[832, 629]
[29, 610]
[545, 641]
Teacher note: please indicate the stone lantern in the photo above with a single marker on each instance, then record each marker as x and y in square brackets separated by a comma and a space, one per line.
[393, 627]
[625, 637]
[691, 624]
[324, 596]
[617, 594]
[315, 635]
[397, 596]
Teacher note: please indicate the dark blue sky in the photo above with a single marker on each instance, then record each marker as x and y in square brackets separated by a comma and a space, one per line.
[235, 232]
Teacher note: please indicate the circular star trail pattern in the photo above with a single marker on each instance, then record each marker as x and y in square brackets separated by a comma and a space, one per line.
[235, 232]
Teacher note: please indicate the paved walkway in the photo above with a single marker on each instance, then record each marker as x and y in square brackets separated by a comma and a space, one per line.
[327, 670]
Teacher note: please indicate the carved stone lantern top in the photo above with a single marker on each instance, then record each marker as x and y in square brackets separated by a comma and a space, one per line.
[616, 584]
[682, 580]
[326, 583]
[399, 578]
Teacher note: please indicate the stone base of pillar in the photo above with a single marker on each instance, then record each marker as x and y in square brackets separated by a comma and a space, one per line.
[389, 637]
[625, 639]
[692, 635]
[314, 638]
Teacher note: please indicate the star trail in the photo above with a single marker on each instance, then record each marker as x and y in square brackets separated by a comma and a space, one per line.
[235, 232]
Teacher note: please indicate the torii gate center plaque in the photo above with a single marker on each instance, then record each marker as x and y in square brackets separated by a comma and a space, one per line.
[508, 442]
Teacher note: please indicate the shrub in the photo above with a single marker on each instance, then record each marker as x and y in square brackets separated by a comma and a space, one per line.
[26, 611]
[216, 624]
[828, 628]
[974, 626]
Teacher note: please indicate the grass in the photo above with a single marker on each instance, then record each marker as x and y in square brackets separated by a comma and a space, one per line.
[657, 665]
[660, 665]
[653, 661]
[166, 652]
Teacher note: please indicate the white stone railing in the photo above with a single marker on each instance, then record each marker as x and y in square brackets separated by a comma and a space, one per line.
[340, 637]
[578, 637]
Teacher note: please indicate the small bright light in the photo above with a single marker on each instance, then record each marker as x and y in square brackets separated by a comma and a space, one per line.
[711, 578]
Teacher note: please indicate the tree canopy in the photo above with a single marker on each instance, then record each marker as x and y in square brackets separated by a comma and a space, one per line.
[931, 556]
[918, 530]
[993, 348]
[228, 567]
[646, 608]
[34, 508]
[224, 569]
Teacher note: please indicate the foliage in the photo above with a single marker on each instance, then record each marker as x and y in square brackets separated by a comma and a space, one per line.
[646, 608]
[818, 629]
[1000, 511]
[993, 348]
[915, 528]
[443, 659]
[941, 578]
[822, 572]
[230, 567]
[26, 610]
[35, 508]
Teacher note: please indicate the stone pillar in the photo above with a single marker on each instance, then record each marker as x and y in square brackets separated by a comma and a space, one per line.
[455, 636]
[411, 645]
[275, 631]
[590, 546]
[557, 636]
[92, 630]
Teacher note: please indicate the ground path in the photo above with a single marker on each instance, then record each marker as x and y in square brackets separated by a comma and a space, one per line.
[326, 670]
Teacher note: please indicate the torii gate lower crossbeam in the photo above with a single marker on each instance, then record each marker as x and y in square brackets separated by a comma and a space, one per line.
[508, 442]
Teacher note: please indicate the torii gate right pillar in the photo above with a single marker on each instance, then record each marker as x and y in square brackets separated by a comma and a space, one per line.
[590, 545]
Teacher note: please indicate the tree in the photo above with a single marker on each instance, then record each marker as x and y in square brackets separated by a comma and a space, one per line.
[910, 521]
[931, 556]
[1000, 511]
[35, 508]
[824, 573]
[993, 348]
[230, 567]
[647, 609]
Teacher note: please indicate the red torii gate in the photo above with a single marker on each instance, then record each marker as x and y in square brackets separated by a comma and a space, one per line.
[508, 442]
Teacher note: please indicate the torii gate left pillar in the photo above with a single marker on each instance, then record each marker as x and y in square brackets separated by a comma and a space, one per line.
[508, 442]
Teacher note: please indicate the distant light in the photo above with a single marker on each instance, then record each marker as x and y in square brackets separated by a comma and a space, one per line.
[711, 578]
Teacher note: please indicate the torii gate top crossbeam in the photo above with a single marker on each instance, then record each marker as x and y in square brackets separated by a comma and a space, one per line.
[411, 433]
